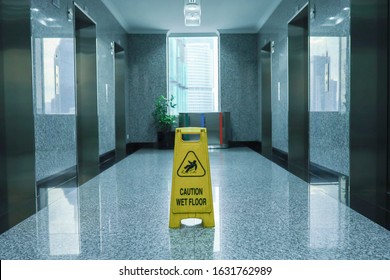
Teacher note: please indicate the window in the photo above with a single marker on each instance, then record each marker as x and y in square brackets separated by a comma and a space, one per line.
[328, 74]
[54, 75]
[193, 73]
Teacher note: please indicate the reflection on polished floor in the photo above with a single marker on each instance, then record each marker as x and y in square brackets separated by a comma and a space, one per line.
[261, 212]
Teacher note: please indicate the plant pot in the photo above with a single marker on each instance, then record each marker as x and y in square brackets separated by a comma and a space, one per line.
[165, 139]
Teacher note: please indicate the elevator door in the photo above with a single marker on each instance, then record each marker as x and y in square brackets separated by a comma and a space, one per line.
[298, 119]
[266, 113]
[86, 90]
[370, 107]
[120, 114]
[17, 149]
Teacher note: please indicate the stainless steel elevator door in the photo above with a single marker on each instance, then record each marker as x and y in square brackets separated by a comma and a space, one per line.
[17, 149]
[298, 83]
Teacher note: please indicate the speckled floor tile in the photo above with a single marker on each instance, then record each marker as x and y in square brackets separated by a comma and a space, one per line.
[261, 212]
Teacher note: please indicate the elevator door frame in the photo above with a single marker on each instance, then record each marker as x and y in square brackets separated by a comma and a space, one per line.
[87, 128]
[266, 104]
[120, 101]
[298, 81]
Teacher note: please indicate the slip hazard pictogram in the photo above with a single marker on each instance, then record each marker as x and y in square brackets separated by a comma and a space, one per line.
[191, 166]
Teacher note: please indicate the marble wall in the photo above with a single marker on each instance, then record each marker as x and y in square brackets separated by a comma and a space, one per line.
[55, 130]
[55, 143]
[329, 123]
[147, 68]
[238, 78]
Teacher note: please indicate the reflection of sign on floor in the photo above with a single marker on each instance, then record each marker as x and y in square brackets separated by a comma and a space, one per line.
[191, 166]
[191, 195]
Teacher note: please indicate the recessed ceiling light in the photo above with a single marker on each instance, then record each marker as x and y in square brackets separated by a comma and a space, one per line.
[192, 12]
[192, 7]
[192, 21]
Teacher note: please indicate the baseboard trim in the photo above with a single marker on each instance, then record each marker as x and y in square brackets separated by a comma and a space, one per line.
[254, 145]
[110, 155]
[375, 213]
[133, 147]
[65, 179]
[321, 174]
[280, 154]
[318, 173]
[58, 178]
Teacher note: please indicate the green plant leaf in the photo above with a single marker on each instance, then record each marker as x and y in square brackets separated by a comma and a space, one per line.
[164, 121]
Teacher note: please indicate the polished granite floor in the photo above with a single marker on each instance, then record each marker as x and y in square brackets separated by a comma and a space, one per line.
[261, 212]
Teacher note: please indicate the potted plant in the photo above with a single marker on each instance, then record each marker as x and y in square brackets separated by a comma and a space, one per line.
[164, 122]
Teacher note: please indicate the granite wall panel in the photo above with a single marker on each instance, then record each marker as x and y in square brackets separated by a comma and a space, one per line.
[239, 81]
[55, 129]
[147, 80]
[329, 125]
[330, 90]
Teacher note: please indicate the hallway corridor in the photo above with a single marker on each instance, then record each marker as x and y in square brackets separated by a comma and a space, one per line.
[261, 212]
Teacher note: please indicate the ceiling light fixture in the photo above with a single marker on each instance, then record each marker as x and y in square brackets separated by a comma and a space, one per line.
[192, 12]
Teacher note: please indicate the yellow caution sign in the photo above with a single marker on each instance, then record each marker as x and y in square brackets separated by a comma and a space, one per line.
[191, 195]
